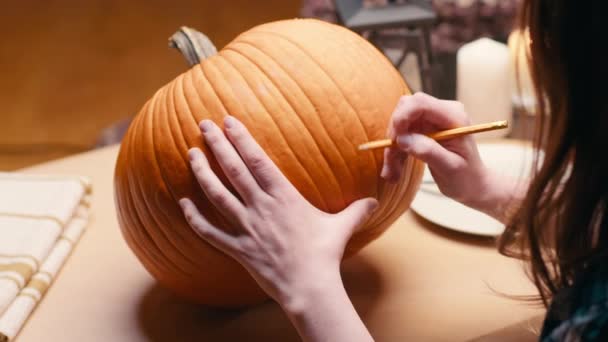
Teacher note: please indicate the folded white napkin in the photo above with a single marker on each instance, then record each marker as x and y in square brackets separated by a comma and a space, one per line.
[41, 219]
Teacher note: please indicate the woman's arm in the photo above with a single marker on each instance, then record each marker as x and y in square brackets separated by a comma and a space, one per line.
[326, 313]
[292, 249]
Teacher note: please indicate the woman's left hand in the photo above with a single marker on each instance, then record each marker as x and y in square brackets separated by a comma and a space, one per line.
[292, 249]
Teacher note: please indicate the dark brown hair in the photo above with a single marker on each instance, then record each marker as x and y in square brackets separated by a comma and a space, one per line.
[561, 228]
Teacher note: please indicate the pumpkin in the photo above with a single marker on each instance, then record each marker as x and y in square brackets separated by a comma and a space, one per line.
[309, 92]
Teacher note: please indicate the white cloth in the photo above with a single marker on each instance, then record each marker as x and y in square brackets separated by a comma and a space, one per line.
[41, 219]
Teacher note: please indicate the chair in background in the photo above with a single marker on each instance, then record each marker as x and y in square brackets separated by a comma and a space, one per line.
[406, 26]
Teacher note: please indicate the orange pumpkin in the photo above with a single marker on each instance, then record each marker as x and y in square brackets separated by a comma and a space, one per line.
[309, 92]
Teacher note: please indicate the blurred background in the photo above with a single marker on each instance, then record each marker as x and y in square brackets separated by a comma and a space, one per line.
[74, 72]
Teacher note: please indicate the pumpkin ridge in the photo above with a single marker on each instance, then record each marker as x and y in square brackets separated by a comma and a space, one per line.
[201, 71]
[224, 112]
[210, 214]
[189, 108]
[232, 94]
[179, 127]
[203, 74]
[414, 171]
[190, 80]
[214, 214]
[332, 79]
[234, 265]
[389, 212]
[286, 104]
[134, 186]
[212, 161]
[170, 110]
[158, 121]
[148, 124]
[318, 116]
[291, 106]
[282, 135]
[121, 195]
[183, 111]
[152, 250]
[390, 192]
[362, 238]
[216, 94]
[369, 56]
[137, 191]
[138, 234]
[376, 54]
[228, 93]
[357, 173]
[395, 191]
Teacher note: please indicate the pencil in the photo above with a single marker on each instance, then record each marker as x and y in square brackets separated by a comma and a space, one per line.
[442, 135]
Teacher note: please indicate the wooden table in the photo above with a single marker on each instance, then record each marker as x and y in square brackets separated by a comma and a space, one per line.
[418, 282]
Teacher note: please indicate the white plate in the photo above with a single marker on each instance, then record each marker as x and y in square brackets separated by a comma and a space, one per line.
[512, 160]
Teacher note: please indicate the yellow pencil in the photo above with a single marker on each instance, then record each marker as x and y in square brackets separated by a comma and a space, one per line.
[442, 135]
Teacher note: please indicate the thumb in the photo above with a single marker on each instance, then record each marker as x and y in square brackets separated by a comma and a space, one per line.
[357, 213]
[428, 150]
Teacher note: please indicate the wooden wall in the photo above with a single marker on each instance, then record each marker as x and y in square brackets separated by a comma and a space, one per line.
[69, 68]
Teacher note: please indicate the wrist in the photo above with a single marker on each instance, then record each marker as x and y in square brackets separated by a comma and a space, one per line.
[322, 311]
[311, 291]
[497, 196]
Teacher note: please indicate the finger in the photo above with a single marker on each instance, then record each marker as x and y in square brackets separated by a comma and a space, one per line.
[215, 236]
[215, 191]
[231, 163]
[440, 114]
[356, 214]
[264, 170]
[393, 157]
[429, 151]
[394, 160]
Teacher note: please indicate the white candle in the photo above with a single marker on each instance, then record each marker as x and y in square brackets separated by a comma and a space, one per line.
[483, 83]
[522, 90]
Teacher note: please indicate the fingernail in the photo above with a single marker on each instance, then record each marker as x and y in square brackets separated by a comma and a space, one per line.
[374, 206]
[229, 121]
[388, 175]
[205, 125]
[182, 203]
[406, 141]
[193, 153]
[384, 171]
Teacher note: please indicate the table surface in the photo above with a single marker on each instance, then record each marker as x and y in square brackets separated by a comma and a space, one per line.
[417, 282]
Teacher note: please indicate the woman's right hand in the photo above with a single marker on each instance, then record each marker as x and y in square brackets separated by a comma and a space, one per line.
[455, 163]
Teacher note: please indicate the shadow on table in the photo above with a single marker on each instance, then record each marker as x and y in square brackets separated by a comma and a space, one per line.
[166, 317]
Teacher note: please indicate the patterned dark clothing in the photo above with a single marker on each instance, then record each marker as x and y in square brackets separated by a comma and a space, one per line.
[579, 313]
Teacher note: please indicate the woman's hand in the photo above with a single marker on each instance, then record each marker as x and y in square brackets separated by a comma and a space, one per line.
[455, 163]
[292, 249]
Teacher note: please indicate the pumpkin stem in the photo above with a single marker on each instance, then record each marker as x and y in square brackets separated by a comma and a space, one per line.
[193, 45]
